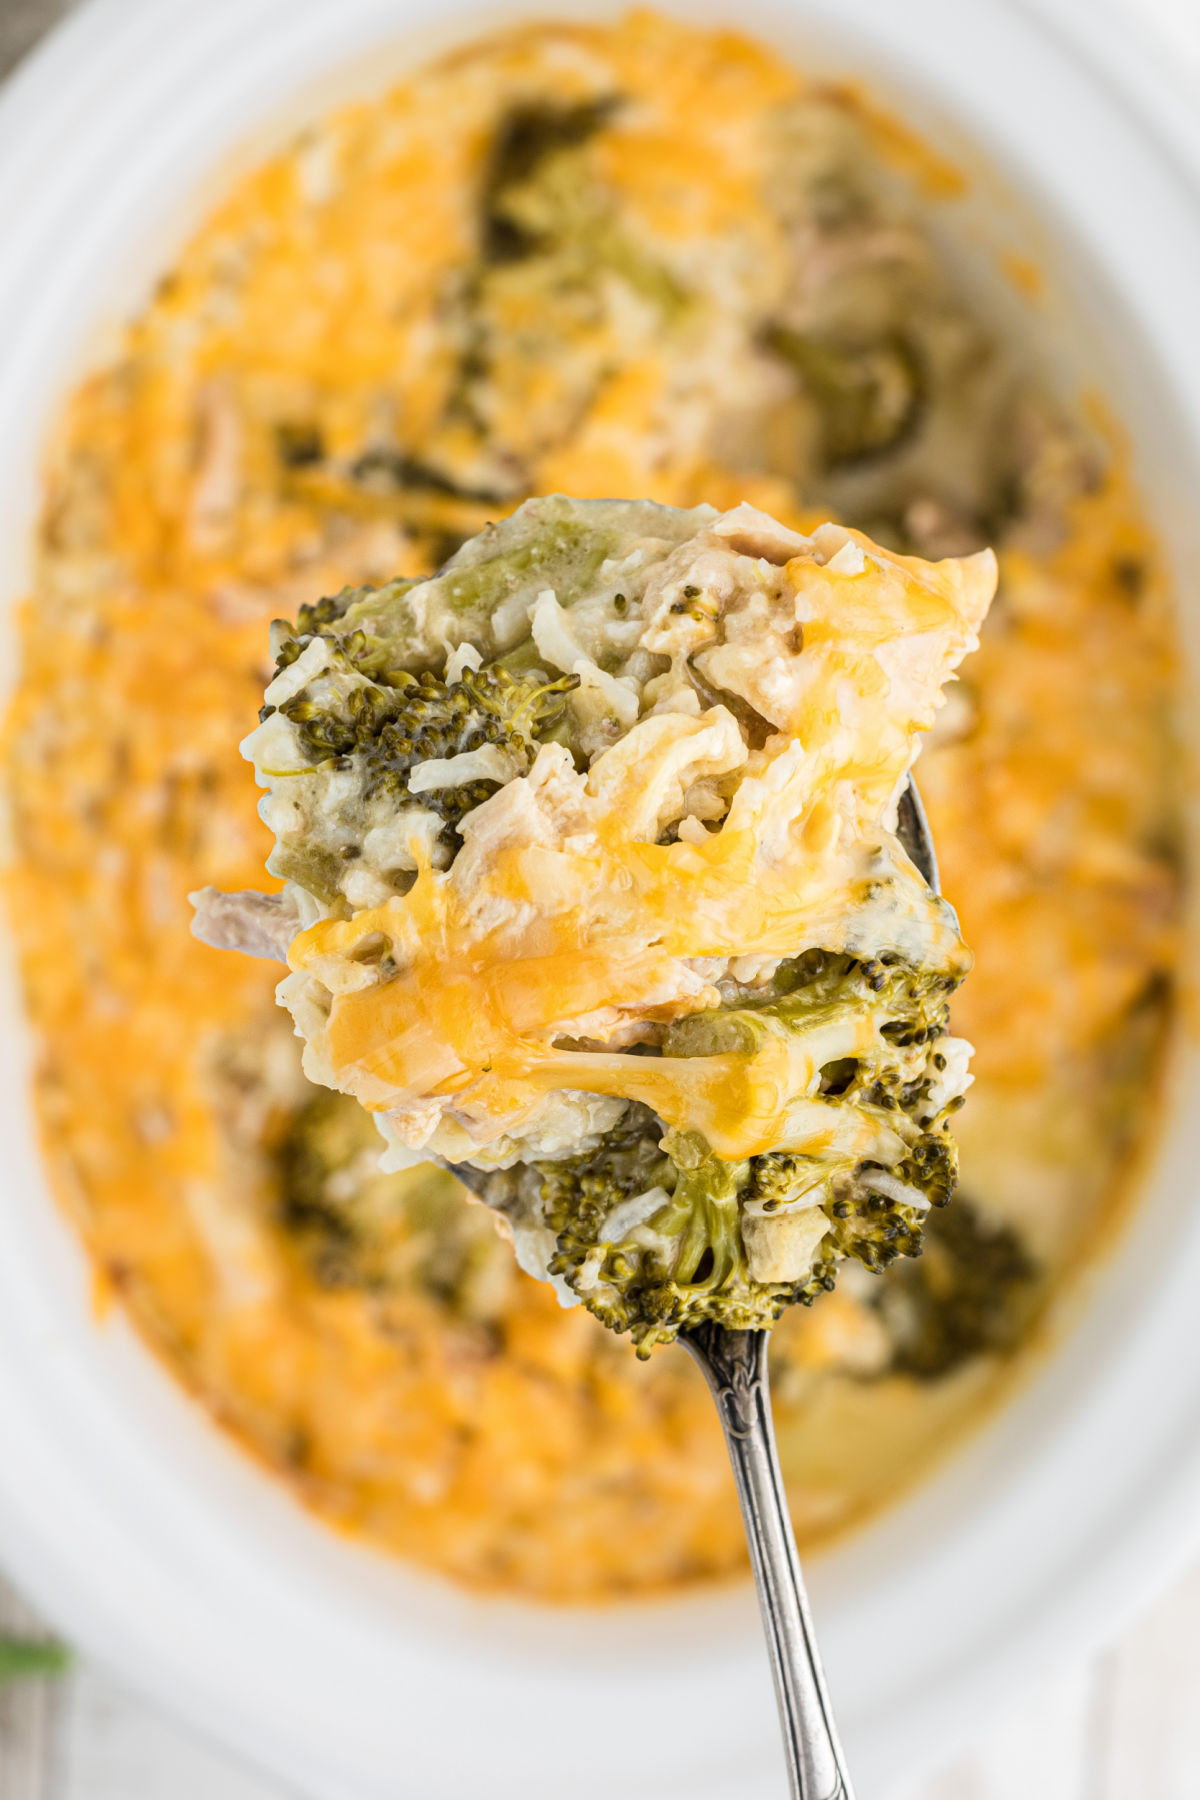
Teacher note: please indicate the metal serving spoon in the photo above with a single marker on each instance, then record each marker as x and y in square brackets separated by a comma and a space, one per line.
[735, 1366]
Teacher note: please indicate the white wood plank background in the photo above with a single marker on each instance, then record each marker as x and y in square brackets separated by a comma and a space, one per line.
[1123, 1726]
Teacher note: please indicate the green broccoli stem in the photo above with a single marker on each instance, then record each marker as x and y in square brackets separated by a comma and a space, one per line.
[703, 1214]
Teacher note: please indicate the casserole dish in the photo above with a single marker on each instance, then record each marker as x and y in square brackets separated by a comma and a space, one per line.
[141, 1533]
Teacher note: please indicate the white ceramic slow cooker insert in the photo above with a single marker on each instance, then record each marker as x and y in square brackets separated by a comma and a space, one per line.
[148, 1537]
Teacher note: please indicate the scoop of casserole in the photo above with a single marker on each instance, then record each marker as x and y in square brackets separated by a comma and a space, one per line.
[592, 887]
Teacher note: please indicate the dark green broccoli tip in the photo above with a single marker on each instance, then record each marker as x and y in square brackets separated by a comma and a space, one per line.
[684, 1264]
[680, 1258]
[393, 721]
[870, 393]
[526, 140]
[318, 620]
[970, 1295]
[22, 1659]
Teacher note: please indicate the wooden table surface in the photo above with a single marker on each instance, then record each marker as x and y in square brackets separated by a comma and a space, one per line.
[1123, 1726]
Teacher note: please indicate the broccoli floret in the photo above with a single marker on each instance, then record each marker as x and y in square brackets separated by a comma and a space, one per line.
[527, 140]
[872, 1227]
[357, 1228]
[869, 393]
[362, 713]
[654, 1233]
[393, 729]
[970, 1294]
[650, 1239]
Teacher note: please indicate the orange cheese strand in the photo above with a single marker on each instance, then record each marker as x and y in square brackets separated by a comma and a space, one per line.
[481, 1012]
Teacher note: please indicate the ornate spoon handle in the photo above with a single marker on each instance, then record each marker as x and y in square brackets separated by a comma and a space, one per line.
[735, 1367]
